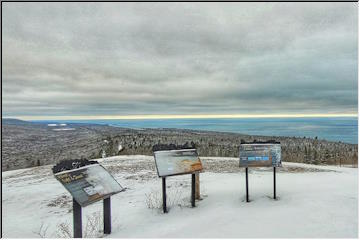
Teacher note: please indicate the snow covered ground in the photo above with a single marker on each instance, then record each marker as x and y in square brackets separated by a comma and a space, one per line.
[314, 201]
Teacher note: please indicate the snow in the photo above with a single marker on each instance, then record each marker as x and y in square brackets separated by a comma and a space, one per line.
[314, 201]
[63, 129]
[103, 154]
[54, 124]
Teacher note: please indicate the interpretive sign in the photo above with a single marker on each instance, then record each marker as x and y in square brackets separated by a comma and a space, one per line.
[89, 184]
[171, 160]
[260, 155]
[176, 162]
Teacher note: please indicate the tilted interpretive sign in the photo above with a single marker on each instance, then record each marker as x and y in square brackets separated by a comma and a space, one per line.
[89, 183]
[260, 155]
[176, 162]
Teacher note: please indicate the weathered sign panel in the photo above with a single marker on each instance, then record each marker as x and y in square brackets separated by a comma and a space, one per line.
[176, 162]
[260, 155]
[89, 184]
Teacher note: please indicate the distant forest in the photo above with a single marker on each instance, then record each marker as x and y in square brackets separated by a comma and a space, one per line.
[27, 144]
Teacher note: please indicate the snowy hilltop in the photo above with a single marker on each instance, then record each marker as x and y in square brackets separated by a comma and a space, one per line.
[313, 201]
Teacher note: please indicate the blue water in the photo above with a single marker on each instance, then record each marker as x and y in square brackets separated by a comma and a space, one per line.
[332, 129]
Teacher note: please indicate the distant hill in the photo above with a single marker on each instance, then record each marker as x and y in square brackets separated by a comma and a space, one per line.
[15, 121]
[28, 144]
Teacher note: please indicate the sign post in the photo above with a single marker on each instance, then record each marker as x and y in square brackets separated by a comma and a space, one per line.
[260, 154]
[274, 182]
[77, 219]
[87, 182]
[193, 190]
[247, 185]
[177, 162]
[197, 186]
[107, 215]
[164, 194]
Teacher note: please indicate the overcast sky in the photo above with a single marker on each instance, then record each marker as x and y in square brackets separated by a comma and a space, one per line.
[66, 59]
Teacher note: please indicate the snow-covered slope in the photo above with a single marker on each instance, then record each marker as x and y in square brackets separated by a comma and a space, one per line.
[314, 201]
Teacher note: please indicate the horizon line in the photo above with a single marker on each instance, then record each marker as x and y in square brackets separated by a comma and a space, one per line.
[181, 116]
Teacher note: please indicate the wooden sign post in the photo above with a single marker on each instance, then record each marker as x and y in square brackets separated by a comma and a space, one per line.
[87, 182]
[197, 186]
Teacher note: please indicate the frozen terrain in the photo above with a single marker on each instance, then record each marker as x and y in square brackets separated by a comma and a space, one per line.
[314, 201]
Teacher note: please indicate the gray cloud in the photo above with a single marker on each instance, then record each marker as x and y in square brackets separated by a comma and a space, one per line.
[179, 58]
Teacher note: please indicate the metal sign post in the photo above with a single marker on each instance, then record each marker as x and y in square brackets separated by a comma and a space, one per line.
[107, 215]
[77, 219]
[193, 190]
[260, 154]
[274, 182]
[247, 185]
[87, 182]
[172, 160]
[164, 194]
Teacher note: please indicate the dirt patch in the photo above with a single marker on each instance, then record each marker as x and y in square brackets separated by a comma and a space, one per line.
[62, 201]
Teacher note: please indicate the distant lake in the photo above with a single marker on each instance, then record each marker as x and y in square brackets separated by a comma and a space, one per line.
[344, 129]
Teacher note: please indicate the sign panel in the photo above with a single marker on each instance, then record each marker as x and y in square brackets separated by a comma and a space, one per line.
[89, 184]
[176, 162]
[260, 155]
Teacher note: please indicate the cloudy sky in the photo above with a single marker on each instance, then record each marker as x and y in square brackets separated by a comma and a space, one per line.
[101, 59]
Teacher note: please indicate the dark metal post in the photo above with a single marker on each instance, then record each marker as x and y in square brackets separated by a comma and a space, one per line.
[193, 190]
[77, 219]
[274, 182]
[247, 185]
[164, 194]
[107, 215]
